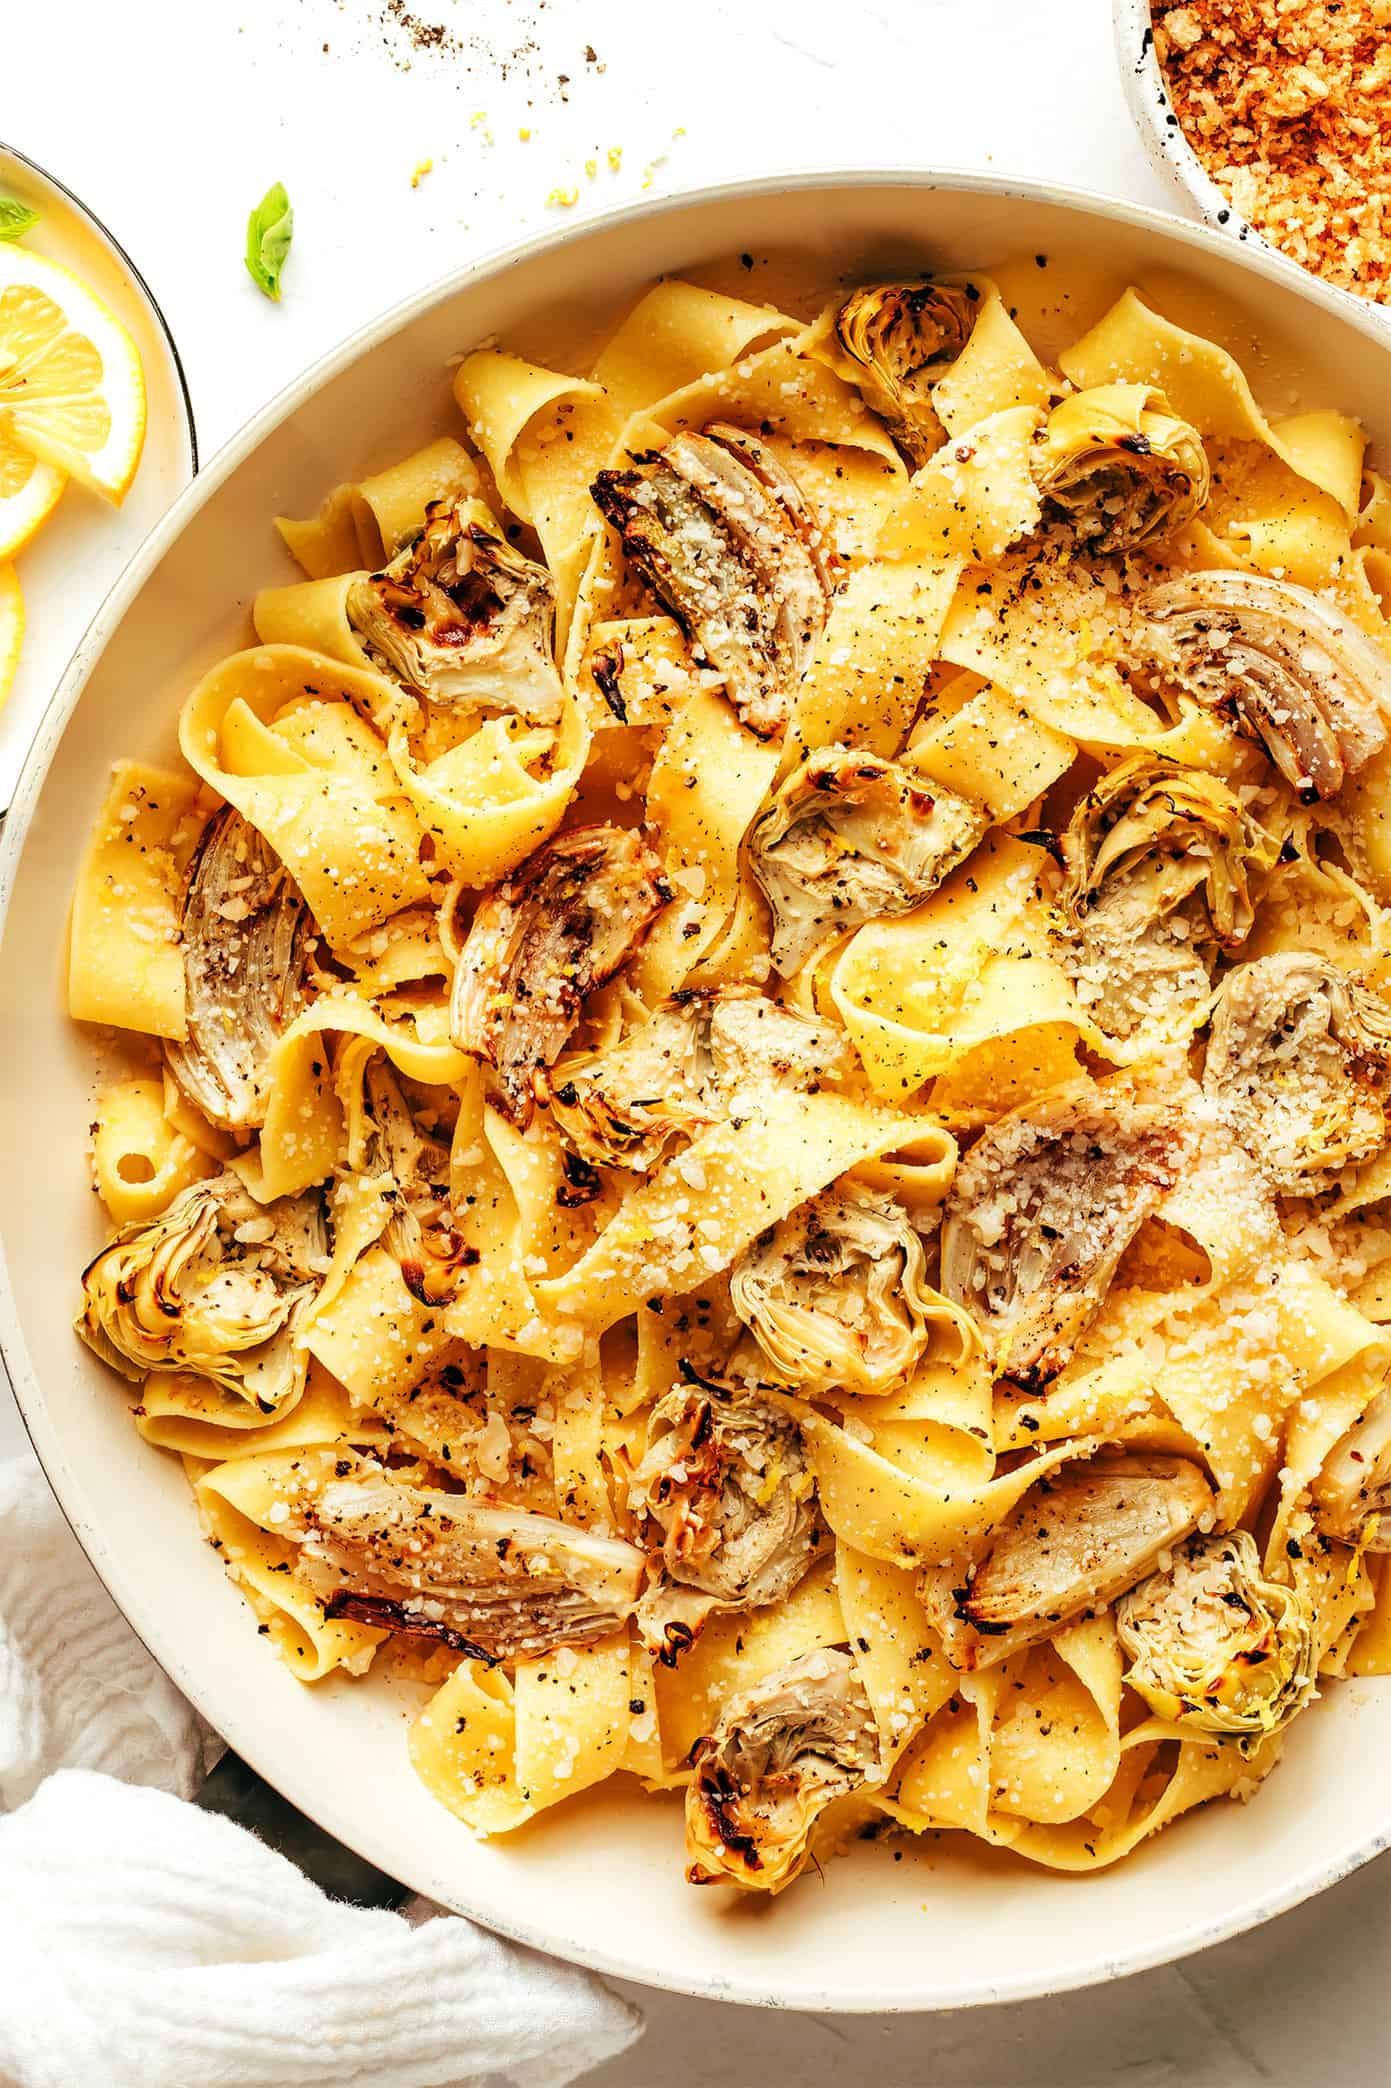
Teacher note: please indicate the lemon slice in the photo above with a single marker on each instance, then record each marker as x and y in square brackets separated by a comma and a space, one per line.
[71, 388]
[11, 627]
[29, 493]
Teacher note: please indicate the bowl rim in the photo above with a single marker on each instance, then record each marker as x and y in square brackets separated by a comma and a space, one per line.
[46, 1437]
[1170, 150]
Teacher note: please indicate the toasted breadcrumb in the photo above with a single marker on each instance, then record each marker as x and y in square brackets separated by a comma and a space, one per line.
[1287, 103]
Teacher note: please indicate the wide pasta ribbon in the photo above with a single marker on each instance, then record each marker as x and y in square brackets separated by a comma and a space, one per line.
[140, 1160]
[361, 523]
[124, 961]
[920, 995]
[238, 1501]
[546, 434]
[708, 780]
[278, 733]
[747, 1174]
[1207, 387]
[488, 797]
[497, 1751]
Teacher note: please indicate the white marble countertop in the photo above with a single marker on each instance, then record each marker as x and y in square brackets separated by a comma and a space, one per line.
[169, 119]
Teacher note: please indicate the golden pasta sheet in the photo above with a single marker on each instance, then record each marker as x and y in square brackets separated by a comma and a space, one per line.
[277, 732]
[124, 963]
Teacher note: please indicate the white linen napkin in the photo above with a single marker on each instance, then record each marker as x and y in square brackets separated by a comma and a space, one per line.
[146, 1942]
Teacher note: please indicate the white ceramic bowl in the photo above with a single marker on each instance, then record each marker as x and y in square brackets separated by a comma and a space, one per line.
[599, 1882]
[1169, 152]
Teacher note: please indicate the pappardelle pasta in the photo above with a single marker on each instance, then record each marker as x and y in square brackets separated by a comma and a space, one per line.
[760, 1154]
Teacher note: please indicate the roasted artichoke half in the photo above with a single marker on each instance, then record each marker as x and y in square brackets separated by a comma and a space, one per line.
[1121, 467]
[1299, 1059]
[851, 838]
[727, 540]
[903, 338]
[1353, 1491]
[1215, 1646]
[836, 1294]
[215, 1285]
[247, 936]
[540, 941]
[1163, 868]
[783, 1750]
[685, 1068]
[1042, 1209]
[492, 1582]
[462, 619]
[422, 1234]
[1288, 669]
[1078, 1539]
[726, 1492]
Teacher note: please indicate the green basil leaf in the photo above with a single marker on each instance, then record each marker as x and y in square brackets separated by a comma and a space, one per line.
[269, 230]
[16, 218]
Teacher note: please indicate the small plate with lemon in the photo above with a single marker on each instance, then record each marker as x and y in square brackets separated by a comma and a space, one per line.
[96, 434]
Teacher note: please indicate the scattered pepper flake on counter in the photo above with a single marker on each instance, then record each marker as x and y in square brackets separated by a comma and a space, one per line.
[1287, 103]
[422, 35]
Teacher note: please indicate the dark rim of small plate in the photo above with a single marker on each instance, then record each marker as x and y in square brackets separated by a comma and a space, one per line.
[137, 275]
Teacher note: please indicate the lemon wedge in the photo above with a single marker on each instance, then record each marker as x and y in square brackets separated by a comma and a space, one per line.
[29, 493]
[11, 627]
[72, 392]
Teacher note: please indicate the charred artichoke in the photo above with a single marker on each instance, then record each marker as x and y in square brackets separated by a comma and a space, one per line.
[726, 1487]
[1163, 867]
[1289, 669]
[421, 1233]
[461, 618]
[246, 937]
[684, 1069]
[836, 1294]
[782, 1751]
[215, 1285]
[1299, 1058]
[1215, 1646]
[850, 838]
[1353, 1491]
[1121, 467]
[1071, 1545]
[727, 540]
[904, 337]
[540, 941]
[1042, 1208]
[491, 1582]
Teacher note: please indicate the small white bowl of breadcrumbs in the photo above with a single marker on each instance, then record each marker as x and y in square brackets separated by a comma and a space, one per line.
[1274, 119]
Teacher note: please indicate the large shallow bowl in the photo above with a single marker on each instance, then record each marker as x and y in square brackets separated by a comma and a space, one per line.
[601, 1881]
